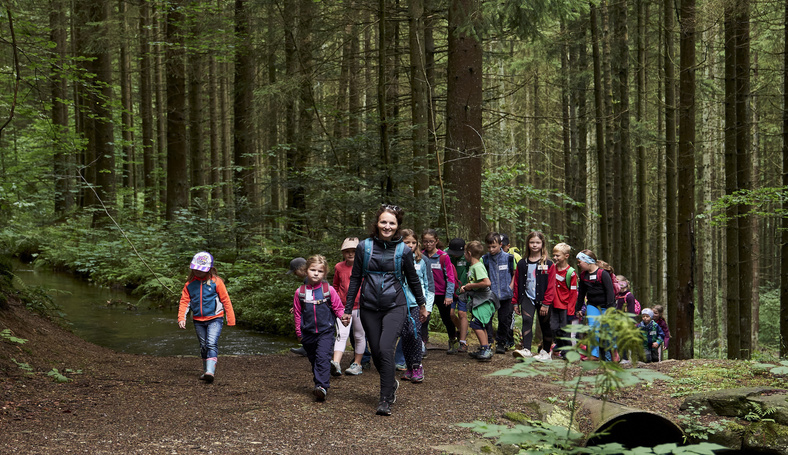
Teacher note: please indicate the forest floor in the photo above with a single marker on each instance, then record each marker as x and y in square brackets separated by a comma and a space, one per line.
[122, 403]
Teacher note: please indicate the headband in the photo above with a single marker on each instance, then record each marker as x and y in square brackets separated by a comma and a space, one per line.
[585, 258]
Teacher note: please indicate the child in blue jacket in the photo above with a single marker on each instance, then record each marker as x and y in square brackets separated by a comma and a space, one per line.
[653, 335]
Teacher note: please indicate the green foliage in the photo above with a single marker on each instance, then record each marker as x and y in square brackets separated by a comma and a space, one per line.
[769, 318]
[694, 428]
[57, 376]
[24, 366]
[598, 377]
[759, 414]
[6, 335]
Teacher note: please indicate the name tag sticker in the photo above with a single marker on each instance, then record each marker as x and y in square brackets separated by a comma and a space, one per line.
[462, 263]
[574, 288]
[592, 277]
[542, 267]
[436, 265]
[418, 266]
[309, 295]
[560, 278]
[503, 267]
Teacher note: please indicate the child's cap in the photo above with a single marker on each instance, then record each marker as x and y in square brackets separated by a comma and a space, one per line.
[349, 243]
[504, 239]
[648, 311]
[202, 261]
[296, 264]
[456, 247]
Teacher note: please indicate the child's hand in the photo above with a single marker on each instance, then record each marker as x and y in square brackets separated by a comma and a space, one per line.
[448, 301]
[423, 314]
[543, 310]
[345, 320]
[517, 310]
[182, 324]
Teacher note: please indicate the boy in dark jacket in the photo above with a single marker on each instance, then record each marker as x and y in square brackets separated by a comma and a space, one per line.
[653, 335]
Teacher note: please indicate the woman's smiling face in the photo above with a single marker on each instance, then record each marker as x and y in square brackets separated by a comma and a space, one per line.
[387, 226]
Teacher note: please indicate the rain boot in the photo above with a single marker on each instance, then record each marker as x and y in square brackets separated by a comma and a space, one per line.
[202, 376]
[210, 370]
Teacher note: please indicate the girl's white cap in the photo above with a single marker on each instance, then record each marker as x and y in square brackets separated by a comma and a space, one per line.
[202, 261]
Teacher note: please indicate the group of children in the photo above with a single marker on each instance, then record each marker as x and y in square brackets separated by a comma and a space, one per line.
[469, 283]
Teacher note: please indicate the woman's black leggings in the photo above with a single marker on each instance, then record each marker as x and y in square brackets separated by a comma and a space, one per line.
[382, 329]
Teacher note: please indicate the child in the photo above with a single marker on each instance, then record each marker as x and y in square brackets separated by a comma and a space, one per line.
[534, 290]
[341, 280]
[653, 335]
[316, 307]
[444, 277]
[659, 312]
[480, 299]
[596, 284]
[500, 269]
[625, 301]
[459, 309]
[565, 296]
[205, 295]
[409, 350]
[506, 247]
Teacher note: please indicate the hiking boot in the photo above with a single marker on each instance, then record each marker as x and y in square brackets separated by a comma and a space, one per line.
[320, 393]
[417, 375]
[500, 349]
[336, 369]
[452, 347]
[299, 351]
[475, 354]
[463, 349]
[354, 369]
[384, 408]
[408, 375]
[485, 355]
[522, 353]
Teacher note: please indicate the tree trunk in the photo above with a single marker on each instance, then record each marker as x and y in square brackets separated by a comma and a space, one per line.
[784, 222]
[419, 110]
[599, 109]
[127, 115]
[196, 68]
[744, 177]
[732, 265]
[146, 111]
[464, 145]
[671, 183]
[177, 141]
[626, 253]
[642, 264]
[246, 197]
[64, 199]
[387, 185]
[685, 322]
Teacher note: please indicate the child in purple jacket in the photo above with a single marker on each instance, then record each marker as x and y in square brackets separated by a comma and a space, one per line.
[659, 311]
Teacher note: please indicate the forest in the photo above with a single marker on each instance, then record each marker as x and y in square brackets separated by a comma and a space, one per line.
[134, 133]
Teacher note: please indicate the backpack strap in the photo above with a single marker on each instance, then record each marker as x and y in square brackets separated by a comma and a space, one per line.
[398, 260]
[511, 265]
[367, 255]
[326, 291]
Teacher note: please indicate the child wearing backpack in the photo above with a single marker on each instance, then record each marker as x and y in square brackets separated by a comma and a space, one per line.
[459, 308]
[625, 301]
[595, 285]
[534, 293]
[444, 277]
[652, 335]
[659, 313]
[480, 299]
[409, 349]
[316, 307]
[565, 297]
[500, 267]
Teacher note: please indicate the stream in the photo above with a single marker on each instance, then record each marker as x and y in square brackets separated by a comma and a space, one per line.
[131, 326]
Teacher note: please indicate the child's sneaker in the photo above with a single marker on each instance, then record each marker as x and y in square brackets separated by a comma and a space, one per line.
[354, 369]
[336, 369]
[452, 347]
[401, 367]
[320, 393]
[408, 375]
[485, 355]
[417, 375]
[522, 353]
[543, 356]
[384, 408]
[500, 349]
[463, 349]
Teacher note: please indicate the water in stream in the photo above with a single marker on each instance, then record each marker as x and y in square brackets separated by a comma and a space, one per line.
[135, 328]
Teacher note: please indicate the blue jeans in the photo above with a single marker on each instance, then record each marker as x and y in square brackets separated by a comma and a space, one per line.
[208, 334]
